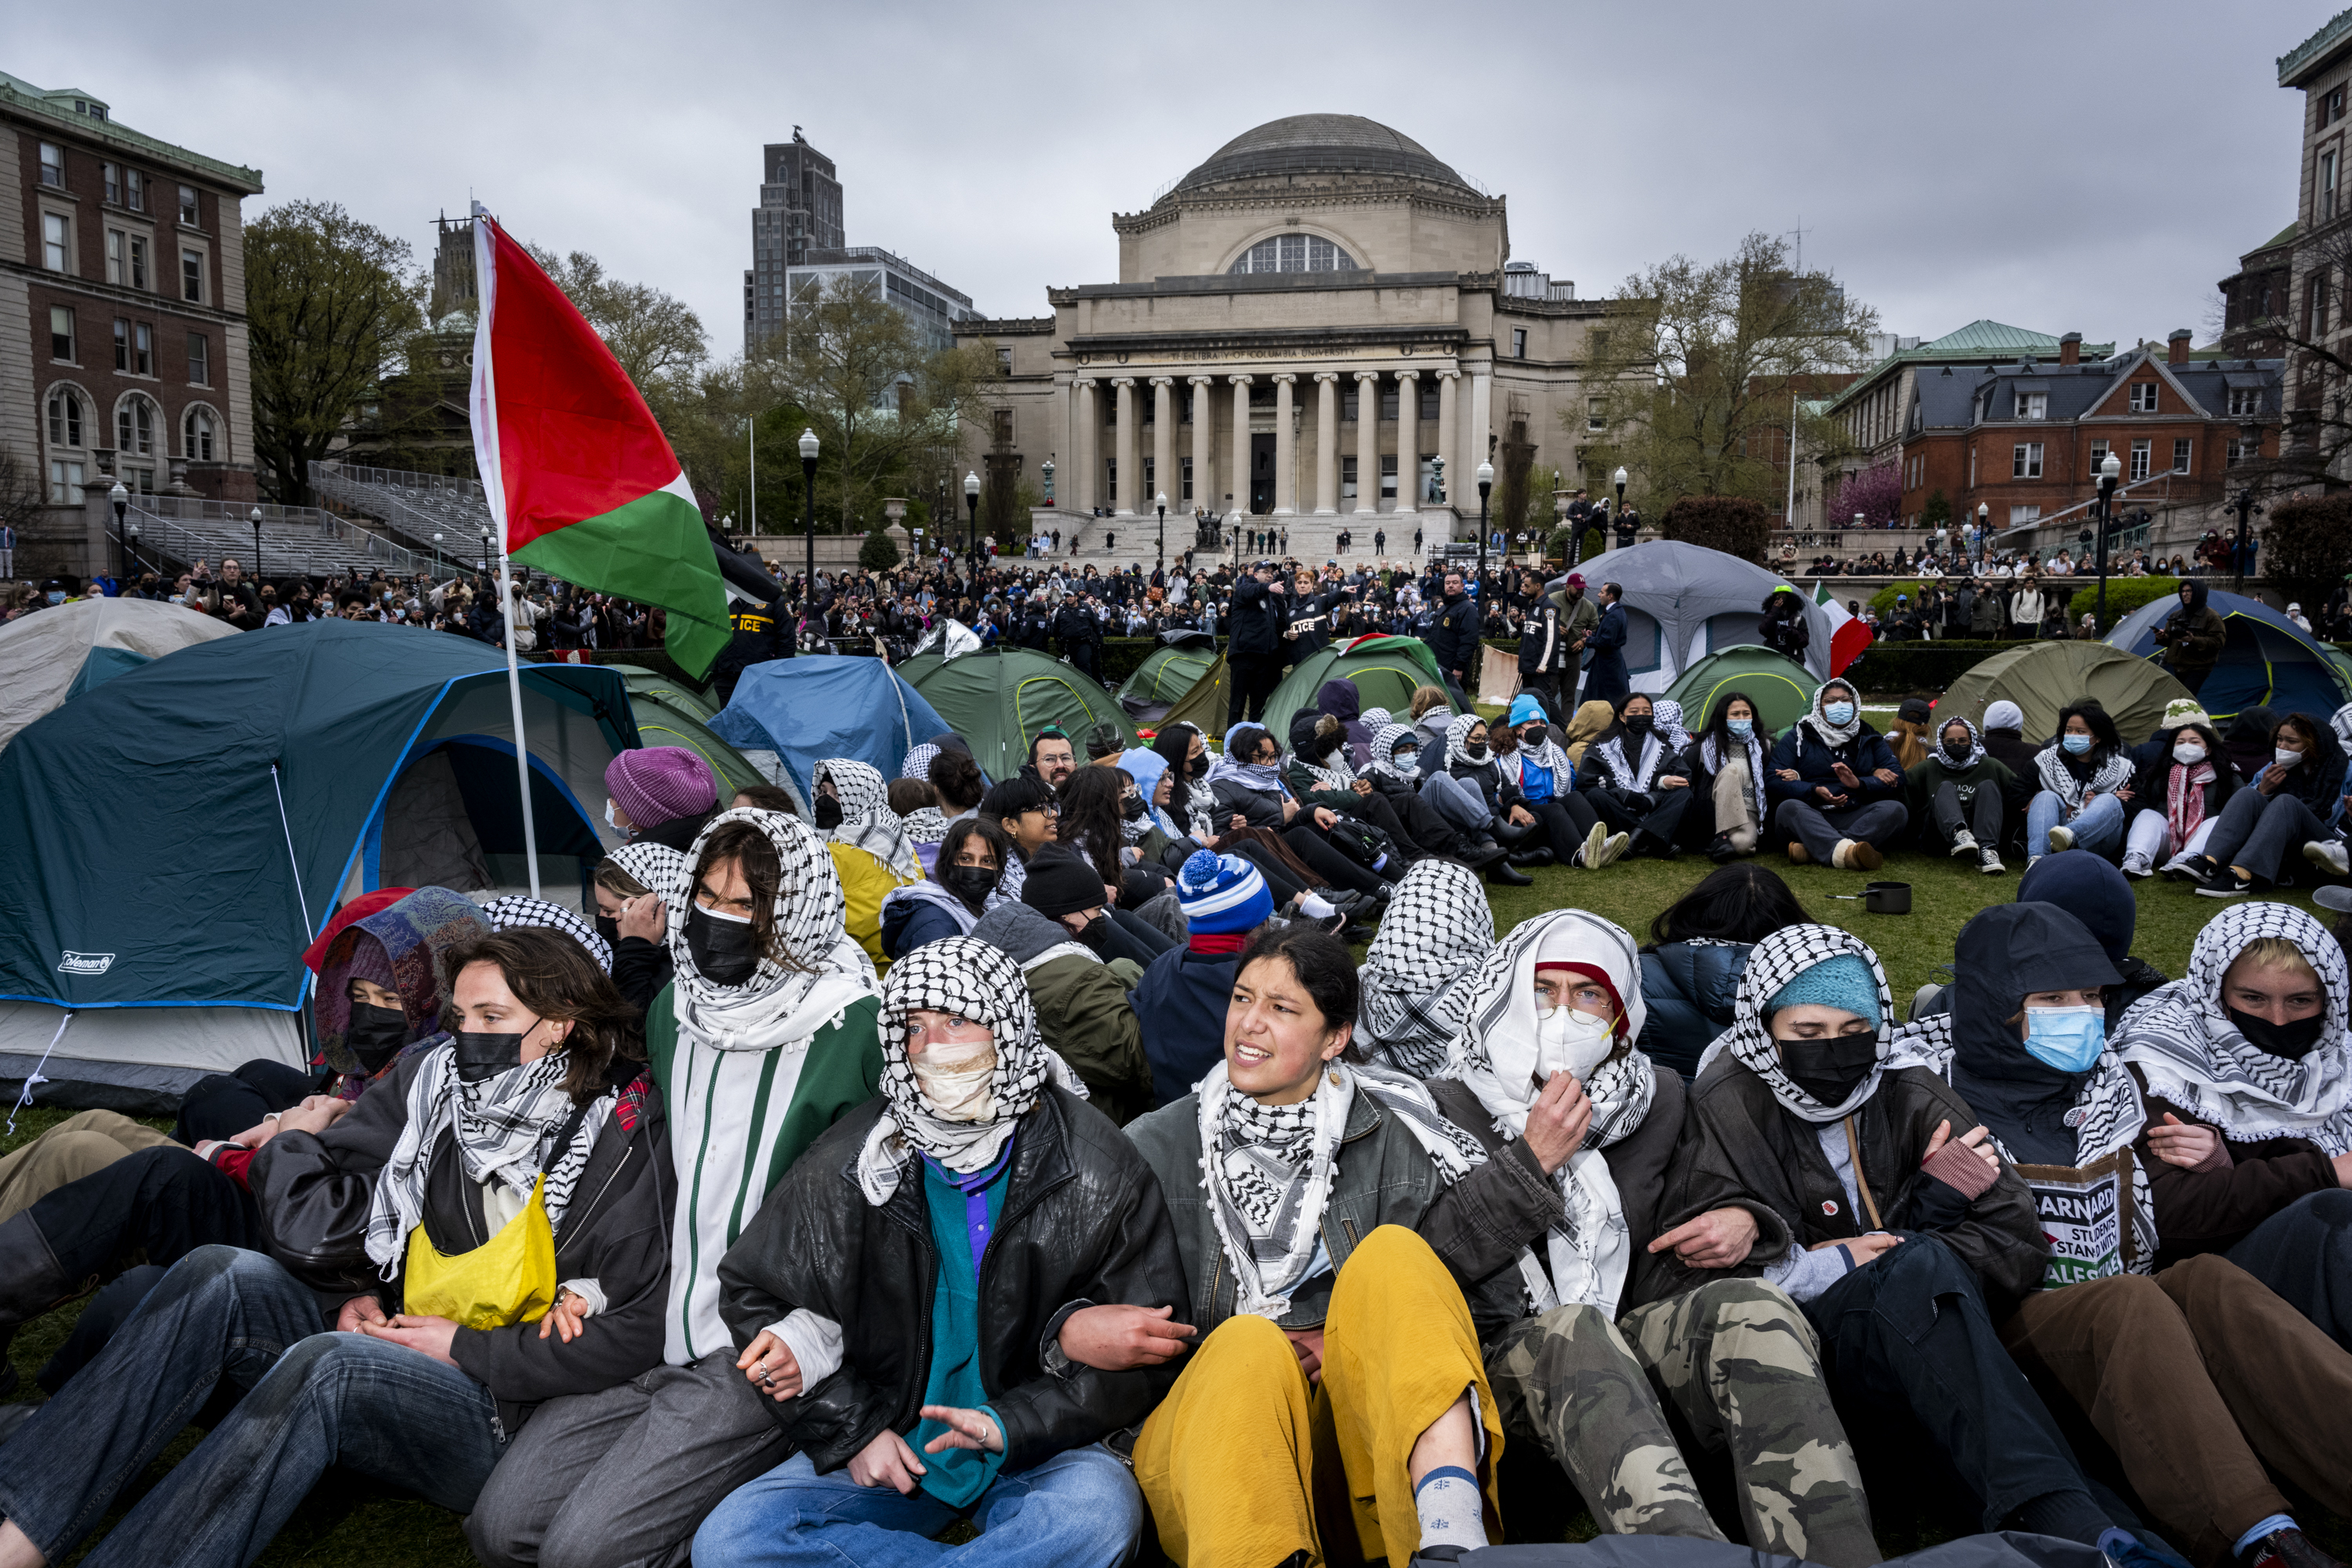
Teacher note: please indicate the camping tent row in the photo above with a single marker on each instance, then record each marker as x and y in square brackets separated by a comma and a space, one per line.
[1684, 602]
[57, 654]
[2267, 661]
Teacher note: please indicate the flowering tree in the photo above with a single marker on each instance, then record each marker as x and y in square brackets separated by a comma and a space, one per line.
[1875, 493]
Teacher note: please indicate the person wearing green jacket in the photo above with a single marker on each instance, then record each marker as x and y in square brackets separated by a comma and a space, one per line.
[1081, 1004]
[1959, 791]
[764, 1037]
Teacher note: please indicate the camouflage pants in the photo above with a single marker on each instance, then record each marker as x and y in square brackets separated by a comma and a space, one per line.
[1744, 1370]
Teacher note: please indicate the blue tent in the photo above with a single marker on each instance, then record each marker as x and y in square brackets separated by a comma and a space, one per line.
[802, 710]
[180, 833]
[2268, 661]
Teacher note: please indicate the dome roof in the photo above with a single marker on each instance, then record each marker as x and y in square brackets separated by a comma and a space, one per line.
[1320, 145]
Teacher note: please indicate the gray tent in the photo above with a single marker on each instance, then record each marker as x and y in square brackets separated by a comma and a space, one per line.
[1684, 602]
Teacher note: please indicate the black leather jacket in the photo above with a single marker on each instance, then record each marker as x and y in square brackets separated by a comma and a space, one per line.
[1082, 1224]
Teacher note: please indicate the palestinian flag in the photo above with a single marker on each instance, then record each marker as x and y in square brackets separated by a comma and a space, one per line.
[1848, 635]
[581, 480]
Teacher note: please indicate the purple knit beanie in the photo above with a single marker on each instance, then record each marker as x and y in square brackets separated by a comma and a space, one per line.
[661, 783]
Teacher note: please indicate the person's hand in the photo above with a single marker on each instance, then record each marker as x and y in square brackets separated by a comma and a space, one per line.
[2343, 1163]
[643, 916]
[314, 1115]
[2124, 793]
[1362, 787]
[1887, 776]
[965, 1429]
[1787, 775]
[1237, 822]
[2184, 1144]
[1864, 1249]
[357, 1312]
[1522, 818]
[1669, 781]
[567, 1317]
[2270, 778]
[1307, 1344]
[1719, 1238]
[1844, 776]
[431, 1336]
[1978, 1141]
[1120, 1339]
[769, 1365]
[1828, 796]
[1326, 819]
[1557, 1121]
[887, 1461]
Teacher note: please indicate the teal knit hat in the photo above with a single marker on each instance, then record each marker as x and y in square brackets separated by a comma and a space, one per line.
[1843, 982]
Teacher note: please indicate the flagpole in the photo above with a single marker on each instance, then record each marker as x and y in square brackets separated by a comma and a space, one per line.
[487, 456]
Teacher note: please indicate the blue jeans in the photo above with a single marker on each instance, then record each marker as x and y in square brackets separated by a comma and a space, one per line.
[2099, 827]
[1078, 1508]
[312, 1399]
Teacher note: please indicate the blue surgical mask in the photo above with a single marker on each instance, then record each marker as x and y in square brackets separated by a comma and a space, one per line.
[2066, 1039]
[2077, 744]
[1838, 713]
[1740, 727]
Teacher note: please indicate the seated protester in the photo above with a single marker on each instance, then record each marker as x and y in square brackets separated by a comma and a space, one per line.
[518, 912]
[1155, 787]
[1911, 1241]
[1699, 947]
[1094, 827]
[916, 807]
[1908, 736]
[1471, 796]
[1052, 759]
[1181, 1002]
[2248, 740]
[2081, 787]
[498, 1176]
[764, 1039]
[765, 797]
[1416, 975]
[1062, 886]
[2179, 794]
[956, 894]
[955, 780]
[1025, 811]
[1320, 773]
[2294, 802]
[1637, 785]
[2096, 893]
[2157, 1360]
[1961, 791]
[662, 793]
[870, 850]
[1395, 773]
[1342, 700]
[1727, 769]
[1835, 789]
[1080, 1000]
[1576, 1128]
[1295, 1181]
[1531, 761]
[957, 1216]
[2003, 734]
[634, 887]
[1190, 804]
[2246, 1068]
[1246, 788]
[1590, 721]
[1432, 711]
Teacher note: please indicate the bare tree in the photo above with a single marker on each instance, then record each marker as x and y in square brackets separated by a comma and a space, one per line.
[653, 335]
[21, 501]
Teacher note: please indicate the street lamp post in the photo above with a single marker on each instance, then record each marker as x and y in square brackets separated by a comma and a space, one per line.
[256, 550]
[2109, 472]
[1486, 484]
[129, 545]
[1161, 556]
[1047, 471]
[1617, 478]
[121, 496]
[1984, 515]
[808, 508]
[437, 555]
[2249, 449]
[970, 511]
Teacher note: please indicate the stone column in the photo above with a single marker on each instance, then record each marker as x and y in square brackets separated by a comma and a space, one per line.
[1086, 440]
[1474, 438]
[1123, 446]
[1408, 442]
[1449, 432]
[1204, 446]
[1239, 473]
[1367, 442]
[1163, 446]
[1326, 443]
[1286, 446]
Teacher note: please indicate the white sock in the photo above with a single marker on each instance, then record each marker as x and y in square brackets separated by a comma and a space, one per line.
[1315, 908]
[1451, 1508]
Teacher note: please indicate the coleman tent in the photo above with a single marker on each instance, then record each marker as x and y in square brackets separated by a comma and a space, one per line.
[1684, 602]
[1781, 688]
[998, 698]
[2267, 662]
[789, 714]
[2041, 678]
[1167, 673]
[1204, 707]
[669, 713]
[1386, 670]
[61, 652]
[180, 834]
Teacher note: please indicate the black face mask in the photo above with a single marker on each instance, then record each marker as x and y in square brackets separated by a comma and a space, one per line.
[609, 928]
[1131, 807]
[1198, 766]
[724, 951]
[1957, 749]
[1533, 735]
[826, 813]
[481, 1055]
[1095, 932]
[1829, 1069]
[375, 1034]
[2293, 1041]
[971, 884]
[1637, 723]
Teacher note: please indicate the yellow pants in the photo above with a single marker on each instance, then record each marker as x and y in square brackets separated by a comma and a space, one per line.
[76, 1147]
[1237, 1458]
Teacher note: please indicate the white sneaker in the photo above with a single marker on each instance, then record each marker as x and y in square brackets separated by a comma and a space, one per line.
[2137, 866]
[1589, 856]
[2061, 839]
[1964, 844]
[2031, 861]
[1989, 864]
[2328, 854]
[1611, 848]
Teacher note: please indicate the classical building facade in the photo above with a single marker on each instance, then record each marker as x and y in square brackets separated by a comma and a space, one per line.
[1303, 329]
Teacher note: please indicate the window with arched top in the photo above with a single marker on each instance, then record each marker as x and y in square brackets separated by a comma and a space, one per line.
[1295, 253]
[134, 428]
[65, 417]
[196, 434]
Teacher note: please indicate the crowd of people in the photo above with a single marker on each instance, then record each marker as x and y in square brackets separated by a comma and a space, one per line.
[1166, 1137]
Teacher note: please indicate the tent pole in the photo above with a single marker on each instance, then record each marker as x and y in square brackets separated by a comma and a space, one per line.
[514, 696]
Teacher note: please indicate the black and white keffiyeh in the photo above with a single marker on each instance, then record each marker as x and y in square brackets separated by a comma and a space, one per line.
[2192, 1056]
[658, 869]
[1547, 754]
[1633, 775]
[1267, 1169]
[975, 980]
[1975, 747]
[1437, 929]
[925, 823]
[1832, 735]
[867, 820]
[1385, 741]
[918, 763]
[1772, 963]
[1499, 1057]
[1457, 741]
[505, 1127]
[2073, 789]
[1712, 755]
[1259, 778]
[518, 912]
[1668, 714]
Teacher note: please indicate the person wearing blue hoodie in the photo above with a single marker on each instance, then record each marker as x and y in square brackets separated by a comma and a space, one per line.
[1185, 993]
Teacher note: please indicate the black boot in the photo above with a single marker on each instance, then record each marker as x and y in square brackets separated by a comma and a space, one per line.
[31, 1281]
[1503, 876]
[1476, 852]
[1511, 835]
[1528, 859]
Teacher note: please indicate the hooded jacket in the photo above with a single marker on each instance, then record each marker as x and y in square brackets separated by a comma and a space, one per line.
[1804, 749]
[2318, 779]
[2090, 889]
[398, 946]
[2006, 955]
[2248, 740]
[2194, 635]
[1341, 701]
[1081, 1005]
[1690, 987]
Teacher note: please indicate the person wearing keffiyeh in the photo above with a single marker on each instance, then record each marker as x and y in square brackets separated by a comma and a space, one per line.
[1962, 790]
[1727, 769]
[977, 1208]
[2178, 796]
[872, 855]
[2082, 785]
[1434, 935]
[1836, 792]
[1637, 783]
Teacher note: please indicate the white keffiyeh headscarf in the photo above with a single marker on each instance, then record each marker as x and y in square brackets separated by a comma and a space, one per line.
[867, 820]
[1774, 961]
[1385, 741]
[2191, 1055]
[1975, 747]
[518, 912]
[1416, 975]
[658, 869]
[1669, 716]
[1457, 738]
[1832, 735]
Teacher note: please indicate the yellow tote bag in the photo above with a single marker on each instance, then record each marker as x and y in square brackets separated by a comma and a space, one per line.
[509, 1278]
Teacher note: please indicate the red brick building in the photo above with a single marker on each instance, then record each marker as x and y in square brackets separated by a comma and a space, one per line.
[122, 325]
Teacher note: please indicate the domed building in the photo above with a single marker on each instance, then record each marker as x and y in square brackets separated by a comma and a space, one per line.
[1312, 326]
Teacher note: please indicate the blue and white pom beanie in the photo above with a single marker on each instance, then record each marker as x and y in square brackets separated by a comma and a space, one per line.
[1221, 893]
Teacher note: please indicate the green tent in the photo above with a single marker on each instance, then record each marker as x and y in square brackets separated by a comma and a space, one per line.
[1387, 670]
[2044, 677]
[670, 714]
[1163, 678]
[1781, 688]
[1204, 707]
[998, 698]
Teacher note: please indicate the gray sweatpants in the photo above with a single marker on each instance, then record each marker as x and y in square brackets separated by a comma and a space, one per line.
[1819, 831]
[1980, 816]
[2258, 831]
[1460, 804]
[622, 1478]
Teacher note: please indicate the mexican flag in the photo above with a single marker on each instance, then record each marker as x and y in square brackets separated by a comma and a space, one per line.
[1848, 636]
[581, 480]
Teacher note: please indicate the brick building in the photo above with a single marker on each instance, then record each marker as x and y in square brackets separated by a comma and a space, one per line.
[2254, 298]
[123, 280]
[2320, 306]
[1878, 410]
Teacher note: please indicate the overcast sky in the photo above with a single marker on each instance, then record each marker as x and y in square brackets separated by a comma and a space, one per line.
[2070, 167]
